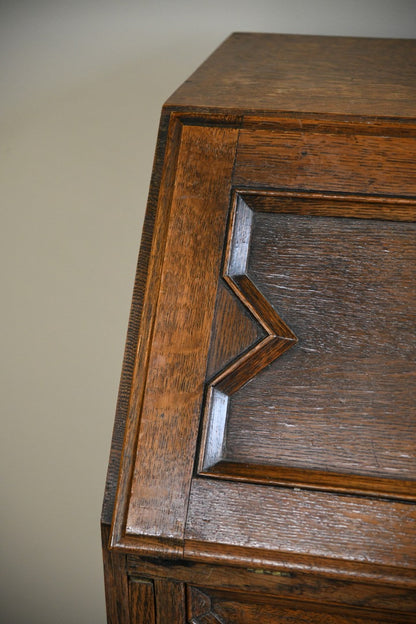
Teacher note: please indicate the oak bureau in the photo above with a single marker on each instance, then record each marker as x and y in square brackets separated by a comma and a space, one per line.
[263, 464]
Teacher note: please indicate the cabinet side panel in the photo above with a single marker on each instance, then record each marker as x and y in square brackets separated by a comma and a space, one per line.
[116, 583]
[133, 326]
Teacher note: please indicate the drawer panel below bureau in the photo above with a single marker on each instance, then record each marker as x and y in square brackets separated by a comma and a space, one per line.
[218, 607]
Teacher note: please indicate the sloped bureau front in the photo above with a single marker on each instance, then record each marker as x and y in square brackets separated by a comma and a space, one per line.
[263, 465]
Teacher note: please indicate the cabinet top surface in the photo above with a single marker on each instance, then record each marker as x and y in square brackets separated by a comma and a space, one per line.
[271, 73]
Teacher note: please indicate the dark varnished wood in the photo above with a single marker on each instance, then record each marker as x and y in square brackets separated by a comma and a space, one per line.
[116, 582]
[142, 601]
[352, 364]
[215, 607]
[264, 441]
[170, 601]
[358, 320]
[264, 578]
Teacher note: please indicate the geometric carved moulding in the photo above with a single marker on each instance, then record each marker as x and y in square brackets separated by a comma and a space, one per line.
[277, 339]
[320, 390]
[200, 607]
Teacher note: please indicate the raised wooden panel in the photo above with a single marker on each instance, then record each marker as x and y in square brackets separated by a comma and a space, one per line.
[345, 285]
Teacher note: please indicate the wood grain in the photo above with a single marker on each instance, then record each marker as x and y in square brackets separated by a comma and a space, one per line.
[330, 75]
[135, 319]
[170, 600]
[169, 413]
[142, 601]
[116, 582]
[312, 478]
[234, 331]
[277, 337]
[142, 319]
[312, 522]
[241, 610]
[346, 287]
[308, 523]
[347, 300]
[326, 162]
[283, 581]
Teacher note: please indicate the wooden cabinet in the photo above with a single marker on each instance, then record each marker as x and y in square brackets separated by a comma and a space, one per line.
[263, 465]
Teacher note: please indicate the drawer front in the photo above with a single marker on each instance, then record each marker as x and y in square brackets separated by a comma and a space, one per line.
[210, 607]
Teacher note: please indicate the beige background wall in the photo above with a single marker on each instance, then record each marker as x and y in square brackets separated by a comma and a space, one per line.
[82, 84]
